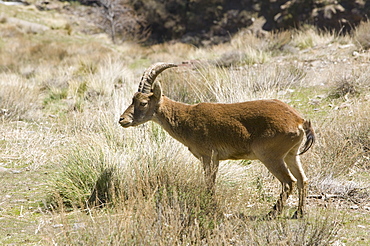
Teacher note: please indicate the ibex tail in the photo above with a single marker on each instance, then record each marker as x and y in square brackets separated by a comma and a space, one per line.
[310, 135]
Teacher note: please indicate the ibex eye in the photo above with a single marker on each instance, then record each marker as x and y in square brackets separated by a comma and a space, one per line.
[143, 104]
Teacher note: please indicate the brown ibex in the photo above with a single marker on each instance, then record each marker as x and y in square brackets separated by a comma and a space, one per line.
[268, 130]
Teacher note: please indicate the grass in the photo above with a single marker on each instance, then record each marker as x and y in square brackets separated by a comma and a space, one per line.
[122, 229]
[70, 175]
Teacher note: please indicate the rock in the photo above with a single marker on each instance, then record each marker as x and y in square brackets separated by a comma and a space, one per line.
[16, 171]
[77, 226]
[57, 225]
[28, 26]
[4, 170]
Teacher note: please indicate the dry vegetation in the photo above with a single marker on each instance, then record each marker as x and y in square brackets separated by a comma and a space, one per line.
[70, 175]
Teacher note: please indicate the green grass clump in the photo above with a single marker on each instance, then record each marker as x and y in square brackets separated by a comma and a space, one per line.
[83, 177]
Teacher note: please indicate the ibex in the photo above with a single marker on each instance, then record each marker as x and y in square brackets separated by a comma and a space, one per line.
[268, 130]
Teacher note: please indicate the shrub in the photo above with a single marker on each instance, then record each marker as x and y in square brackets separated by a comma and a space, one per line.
[362, 35]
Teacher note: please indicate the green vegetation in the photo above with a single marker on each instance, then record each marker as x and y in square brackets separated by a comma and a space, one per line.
[70, 175]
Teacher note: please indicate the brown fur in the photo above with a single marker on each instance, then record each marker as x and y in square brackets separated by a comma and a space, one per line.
[268, 130]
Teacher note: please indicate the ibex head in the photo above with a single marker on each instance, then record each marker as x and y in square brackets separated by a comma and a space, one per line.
[146, 100]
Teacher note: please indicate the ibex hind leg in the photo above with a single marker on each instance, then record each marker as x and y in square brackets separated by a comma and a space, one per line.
[294, 164]
[278, 168]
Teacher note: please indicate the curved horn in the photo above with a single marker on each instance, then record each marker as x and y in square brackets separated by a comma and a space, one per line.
[151, 73]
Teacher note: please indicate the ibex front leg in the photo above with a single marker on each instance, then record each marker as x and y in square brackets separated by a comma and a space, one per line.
[210, 167]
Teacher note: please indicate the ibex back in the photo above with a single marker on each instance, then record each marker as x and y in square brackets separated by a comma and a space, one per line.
[268, 130]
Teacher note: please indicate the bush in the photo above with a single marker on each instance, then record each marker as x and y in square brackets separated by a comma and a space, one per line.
[362, 35]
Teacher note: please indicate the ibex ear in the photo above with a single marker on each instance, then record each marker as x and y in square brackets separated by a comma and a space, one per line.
[157, 90]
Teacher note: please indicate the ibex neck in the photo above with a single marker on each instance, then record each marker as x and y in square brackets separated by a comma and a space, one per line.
[171, 115]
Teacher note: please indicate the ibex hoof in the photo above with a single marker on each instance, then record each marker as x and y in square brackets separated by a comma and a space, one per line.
[297, 215]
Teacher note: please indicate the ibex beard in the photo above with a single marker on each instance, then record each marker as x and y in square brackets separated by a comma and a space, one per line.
[268, 130]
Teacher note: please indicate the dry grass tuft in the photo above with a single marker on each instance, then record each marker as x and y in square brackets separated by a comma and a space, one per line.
[217, 84]
[19, 98]
[161, 224]
[349, 86]
[362, 35]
